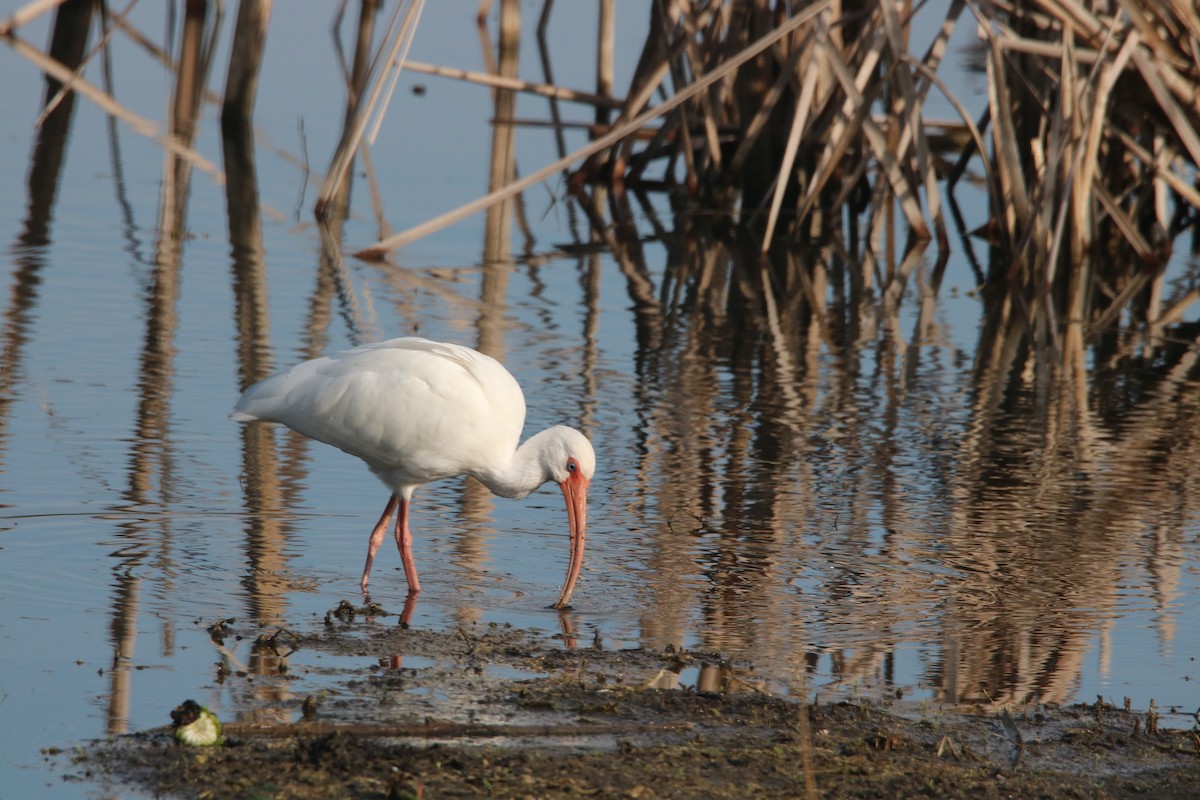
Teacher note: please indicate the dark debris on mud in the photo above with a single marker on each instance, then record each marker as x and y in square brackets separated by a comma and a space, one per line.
[514, 714]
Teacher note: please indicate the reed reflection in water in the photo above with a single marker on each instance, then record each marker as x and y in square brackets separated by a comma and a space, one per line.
[812, 492]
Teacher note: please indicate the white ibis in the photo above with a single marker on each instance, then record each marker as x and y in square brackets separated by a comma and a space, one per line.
[416, 411]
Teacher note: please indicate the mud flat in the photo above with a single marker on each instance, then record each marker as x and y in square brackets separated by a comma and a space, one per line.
[506, 713]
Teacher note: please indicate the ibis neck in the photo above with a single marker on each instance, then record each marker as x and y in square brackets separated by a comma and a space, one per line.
[526, 470]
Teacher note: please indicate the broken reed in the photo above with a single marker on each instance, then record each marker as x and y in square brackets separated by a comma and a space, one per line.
[1088, 144]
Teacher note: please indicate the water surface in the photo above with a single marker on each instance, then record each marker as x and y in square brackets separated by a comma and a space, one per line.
[831, 509]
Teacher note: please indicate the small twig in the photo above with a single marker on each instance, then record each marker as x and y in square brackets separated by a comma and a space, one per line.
[516, 84]
[947, 745]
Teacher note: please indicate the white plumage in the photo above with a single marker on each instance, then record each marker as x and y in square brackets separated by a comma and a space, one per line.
[416, 411]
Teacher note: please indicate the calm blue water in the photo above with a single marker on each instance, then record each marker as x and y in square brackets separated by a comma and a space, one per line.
[836, 519]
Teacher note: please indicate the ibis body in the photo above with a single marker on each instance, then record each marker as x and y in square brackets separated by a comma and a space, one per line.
[417, 411]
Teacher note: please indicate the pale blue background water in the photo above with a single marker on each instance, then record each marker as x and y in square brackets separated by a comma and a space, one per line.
[99, 579]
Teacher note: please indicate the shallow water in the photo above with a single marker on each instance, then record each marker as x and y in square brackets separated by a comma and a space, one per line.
[853, 517]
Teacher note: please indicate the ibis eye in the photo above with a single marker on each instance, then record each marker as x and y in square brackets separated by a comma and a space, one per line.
[572, 466]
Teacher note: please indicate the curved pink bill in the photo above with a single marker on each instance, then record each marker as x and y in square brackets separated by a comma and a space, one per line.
[574, 491]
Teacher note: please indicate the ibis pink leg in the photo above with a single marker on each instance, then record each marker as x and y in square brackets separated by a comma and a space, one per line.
[404, 542]
[377, 535]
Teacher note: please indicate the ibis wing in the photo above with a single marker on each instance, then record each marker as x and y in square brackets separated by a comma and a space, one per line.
[410, 407]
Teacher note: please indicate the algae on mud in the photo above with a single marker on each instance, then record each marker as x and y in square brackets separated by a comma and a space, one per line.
[589, 725]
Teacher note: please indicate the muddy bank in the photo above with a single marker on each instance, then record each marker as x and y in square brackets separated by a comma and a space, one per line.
[508, 713]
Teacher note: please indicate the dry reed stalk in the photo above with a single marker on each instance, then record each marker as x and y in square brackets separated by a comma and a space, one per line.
[1010, 43]
[648, 79]
[1050, 162]
[645, 134]
[687, 35]
[909, 202]
[800, 61]
[1128, 228]
[1092, 147]
[695, 65]
[53, 102]
[604, 142]
[990, 181]
[606, 41]
[1179, 184]
[106, 103]
[842, 136]
[26, 14]
[405, 39]
[1090, 155]
[701, 29]
[803, 108]
[1004, 139]
[681, 121]
[914, 97]
[245, 59]
[376, 196]
[1097, 188]
[404, 29]
[601, 113]
[516, 84]
[1154, 72]
[157, 53]
[365, 35]
[502, 163]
